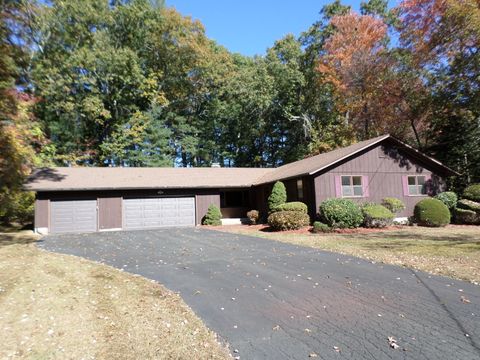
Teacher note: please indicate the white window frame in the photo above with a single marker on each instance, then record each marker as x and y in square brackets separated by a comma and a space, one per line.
[420, 191]
[351, 186]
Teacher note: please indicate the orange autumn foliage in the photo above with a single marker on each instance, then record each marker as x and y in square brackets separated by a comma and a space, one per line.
[368, 89]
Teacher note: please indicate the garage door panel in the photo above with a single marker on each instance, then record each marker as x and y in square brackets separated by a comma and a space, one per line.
[73, 216]
[150, 213]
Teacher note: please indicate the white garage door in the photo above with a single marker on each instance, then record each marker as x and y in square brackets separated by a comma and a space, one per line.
[73, 216]
[149, 213]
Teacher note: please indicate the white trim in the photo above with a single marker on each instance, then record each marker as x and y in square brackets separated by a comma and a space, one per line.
[350, 154]
[233, 221]
[113, 229]
[41, 230]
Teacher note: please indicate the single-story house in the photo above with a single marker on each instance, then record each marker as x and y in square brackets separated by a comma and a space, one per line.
[82, 199]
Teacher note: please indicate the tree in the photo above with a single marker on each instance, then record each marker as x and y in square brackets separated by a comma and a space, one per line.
[21, 137]
[443, 37]
[278, 196]
[368, 83]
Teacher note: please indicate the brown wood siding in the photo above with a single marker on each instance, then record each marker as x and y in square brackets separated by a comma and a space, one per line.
[384, 169]
[109, 213]
[41, 213]
[203, 201]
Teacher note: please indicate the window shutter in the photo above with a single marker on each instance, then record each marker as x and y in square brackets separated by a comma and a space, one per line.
[365, 186]
[405, 185]
[338, 186]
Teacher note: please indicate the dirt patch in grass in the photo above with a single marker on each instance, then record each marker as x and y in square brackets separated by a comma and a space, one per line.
[60, 306]
[451, 251]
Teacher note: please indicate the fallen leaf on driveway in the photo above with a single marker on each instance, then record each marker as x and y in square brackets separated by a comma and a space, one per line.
[312, 355]
[464, 300]
[276, 327]
[336, 348]
[393, 343]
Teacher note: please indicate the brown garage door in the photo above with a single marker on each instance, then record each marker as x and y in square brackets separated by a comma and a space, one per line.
[73, 216]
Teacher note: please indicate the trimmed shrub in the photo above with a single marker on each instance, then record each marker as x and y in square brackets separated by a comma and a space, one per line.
[465, 216]
[393, 204]
[278, 195]
[376, 216]
[341, 213]
[253, 216]
[319, 227]
[213, 216]
[291, 206]
[431, 212]
[469, 205]
[288, 220]
[449, 198]
[472, 192]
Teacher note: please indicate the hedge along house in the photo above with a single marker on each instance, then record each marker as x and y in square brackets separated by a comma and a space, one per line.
[83, 199]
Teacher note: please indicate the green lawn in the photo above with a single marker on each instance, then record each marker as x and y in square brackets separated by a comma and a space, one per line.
[451, 251]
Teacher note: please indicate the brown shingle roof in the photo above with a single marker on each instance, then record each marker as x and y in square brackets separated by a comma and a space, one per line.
[105, 178]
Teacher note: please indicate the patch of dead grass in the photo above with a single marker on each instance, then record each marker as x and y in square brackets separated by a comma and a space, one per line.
[60, 306]
[452, 251]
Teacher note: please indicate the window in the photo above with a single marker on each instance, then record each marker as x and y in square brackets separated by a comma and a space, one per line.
[300, 189]
[352, 186]
[416, 185]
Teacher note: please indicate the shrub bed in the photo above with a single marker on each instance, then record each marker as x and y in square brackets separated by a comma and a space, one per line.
[393, 204]
[431, 212]
[472, 192]
[376, 216]
[319, 227]
[213, 216]
[291, 206]
[288, 220]
[341, 213]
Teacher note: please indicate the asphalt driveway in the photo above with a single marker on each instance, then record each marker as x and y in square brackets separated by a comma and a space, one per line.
[271, 300]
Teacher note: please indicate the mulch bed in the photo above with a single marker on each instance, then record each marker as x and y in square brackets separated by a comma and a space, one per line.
[303, 231]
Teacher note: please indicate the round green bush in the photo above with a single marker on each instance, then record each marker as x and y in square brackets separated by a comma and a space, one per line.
[431, 212]
[393, 204]
[278, 195]
[288, 220]
[376, 216]
[472, 192]
[466, 216]
[213, 216]
[319, 227]
[291, 206]
[449, 198]
[341, 213]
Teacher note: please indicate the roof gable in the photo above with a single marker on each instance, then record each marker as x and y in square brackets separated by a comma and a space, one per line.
[314, 164]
